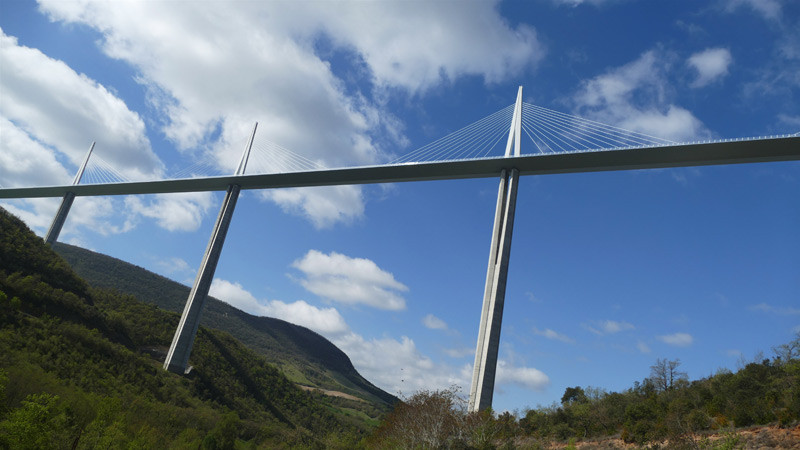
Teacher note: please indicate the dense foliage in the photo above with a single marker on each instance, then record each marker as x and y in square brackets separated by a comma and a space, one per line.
[81, 368]
[663, 409]
[653, 411]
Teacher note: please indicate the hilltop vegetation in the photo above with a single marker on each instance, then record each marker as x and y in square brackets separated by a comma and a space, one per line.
[664, 409]
[668, 407]
[79, 369]
[302, 355]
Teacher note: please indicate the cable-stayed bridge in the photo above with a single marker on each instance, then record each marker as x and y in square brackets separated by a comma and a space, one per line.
[461, 154]
[521, 139]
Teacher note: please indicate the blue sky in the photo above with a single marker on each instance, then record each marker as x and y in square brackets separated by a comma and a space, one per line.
[609, 271]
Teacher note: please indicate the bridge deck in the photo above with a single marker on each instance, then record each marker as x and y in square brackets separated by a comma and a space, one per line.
[730, 152]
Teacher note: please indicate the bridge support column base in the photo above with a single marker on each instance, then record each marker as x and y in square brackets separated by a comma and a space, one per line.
[178, 356]
[484, 371]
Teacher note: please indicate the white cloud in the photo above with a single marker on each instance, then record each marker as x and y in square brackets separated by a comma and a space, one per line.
[229, 64]
[459, 352]
[783, 311]
[49, 115]
[26, 162]
[642, 347]
[677, 339]
[550, 334]
[66, 111]
[173, 265]
[420, 45]
[711, 65]
[434, 323]
[323, 206]
[769, 9]
[793, 121]
[636, 97]
[608, 327]
[349, 280]
[397, 365]
[326, 321]
[173, 212]
[527, 377]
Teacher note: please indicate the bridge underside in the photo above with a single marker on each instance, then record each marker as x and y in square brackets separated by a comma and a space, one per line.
[733, 152]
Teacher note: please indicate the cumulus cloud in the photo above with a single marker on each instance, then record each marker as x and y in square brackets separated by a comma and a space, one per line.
[608, 327]
[322, 206]
[26, 162]
[66, 111]
[677, 339]
[49, 115]
[636, 97]
[768, 9]
[711, 65]
[434, 323]
[353, 281]
[527, 377]
[554, 335]
[438, 41]
[174, 212]
[229, 65]
[397, 365]
[326, 321]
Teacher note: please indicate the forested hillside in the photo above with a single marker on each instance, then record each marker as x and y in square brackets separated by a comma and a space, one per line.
[303, 355]
[78, 371]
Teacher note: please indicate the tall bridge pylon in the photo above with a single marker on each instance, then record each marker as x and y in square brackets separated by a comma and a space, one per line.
[177, 360]
[485, 368]
[66, 203]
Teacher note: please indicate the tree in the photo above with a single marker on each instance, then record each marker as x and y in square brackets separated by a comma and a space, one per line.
[573, 395]
[428, 419]
[665, 373]
[787, 352]
[39, 423]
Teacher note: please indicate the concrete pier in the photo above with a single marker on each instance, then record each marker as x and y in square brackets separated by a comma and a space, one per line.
[485, 368]
[66, 203]
[177, 360]
[178, 356]
[484, 371]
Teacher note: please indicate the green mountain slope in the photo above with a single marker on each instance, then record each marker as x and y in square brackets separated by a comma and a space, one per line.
[303, 355]
[77, 371]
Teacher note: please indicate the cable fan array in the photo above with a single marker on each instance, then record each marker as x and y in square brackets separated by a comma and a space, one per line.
[99, 171]
[549, 131]
[476, 140]
[556, 132]
[269, 157]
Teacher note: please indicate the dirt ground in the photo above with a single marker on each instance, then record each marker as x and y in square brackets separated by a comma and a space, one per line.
[756, 438]
[330, 393]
